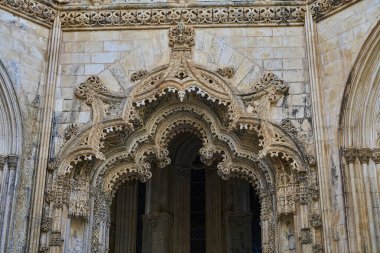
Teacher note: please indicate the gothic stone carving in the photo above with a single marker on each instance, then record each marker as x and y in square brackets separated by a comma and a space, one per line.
[227, 72]
[55, 239]
[139, 75]
[306, 236]
[175, 99]
[163, 15]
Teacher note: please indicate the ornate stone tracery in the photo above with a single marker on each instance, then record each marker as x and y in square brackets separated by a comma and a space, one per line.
[181, 97]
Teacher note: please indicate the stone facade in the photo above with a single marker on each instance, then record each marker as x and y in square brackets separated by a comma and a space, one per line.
[281, 94]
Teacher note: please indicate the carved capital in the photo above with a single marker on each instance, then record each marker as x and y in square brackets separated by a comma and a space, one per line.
[3, 161]
[364, 154]
[12, 162]
[376, 155]
[350, 154]
[317, 248]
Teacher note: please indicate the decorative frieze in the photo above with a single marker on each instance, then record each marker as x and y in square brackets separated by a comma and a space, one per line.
[162, 15]
[322, 8]
[31, 9]
[363, 154]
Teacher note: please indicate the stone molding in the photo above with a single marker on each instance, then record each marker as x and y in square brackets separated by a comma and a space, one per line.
[363, 154]
[162, 15]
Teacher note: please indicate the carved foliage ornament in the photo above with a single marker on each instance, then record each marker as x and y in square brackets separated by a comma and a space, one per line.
[181, 37]
[202, 15]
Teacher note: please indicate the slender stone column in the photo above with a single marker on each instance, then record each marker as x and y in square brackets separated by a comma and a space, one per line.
[237, 219]
[306, 238]
[350, 156]
[320, 135]
[364, 156]
[43, 152]
[3, 187]
[126, 218]
[12, 165]
[375, 177]
[157, 233]
[182, 210]
[213, 212]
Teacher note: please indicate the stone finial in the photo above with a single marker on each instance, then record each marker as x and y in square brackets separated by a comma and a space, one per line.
[181, 37]
[350, 155]
[376, 155]
[12, 162]
[364, 154]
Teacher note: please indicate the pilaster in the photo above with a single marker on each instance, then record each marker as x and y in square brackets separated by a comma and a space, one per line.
[45, 134]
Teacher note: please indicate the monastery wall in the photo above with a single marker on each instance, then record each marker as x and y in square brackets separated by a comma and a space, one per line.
[23, 48]
[340, 38]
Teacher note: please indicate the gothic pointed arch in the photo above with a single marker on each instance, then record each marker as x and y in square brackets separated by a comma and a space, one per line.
[10, 150]
[360, 142]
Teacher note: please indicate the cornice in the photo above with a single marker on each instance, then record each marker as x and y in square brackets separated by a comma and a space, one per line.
[144, 16]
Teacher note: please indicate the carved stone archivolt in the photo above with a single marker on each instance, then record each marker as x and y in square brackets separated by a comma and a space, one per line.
[180, 97]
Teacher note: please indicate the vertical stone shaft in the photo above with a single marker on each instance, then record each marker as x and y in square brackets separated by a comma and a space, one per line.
[317, 102]
[371, 221]
[213, 213]
[182, 211]
[126, 218]
[8, 201]
[43, 152]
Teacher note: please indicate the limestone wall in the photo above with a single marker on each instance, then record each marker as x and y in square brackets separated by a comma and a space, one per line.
[340, 38]
[23, 47]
